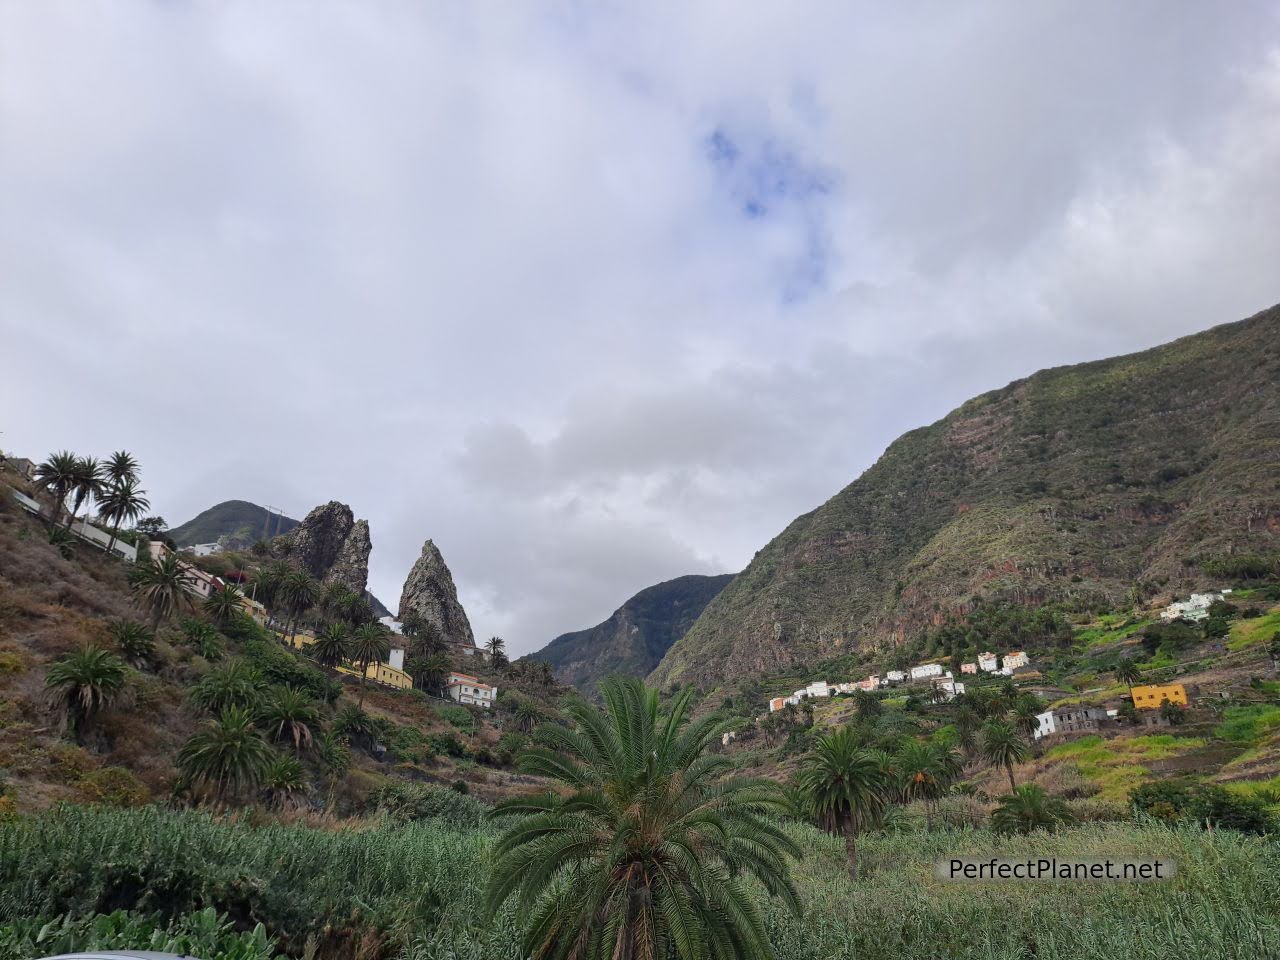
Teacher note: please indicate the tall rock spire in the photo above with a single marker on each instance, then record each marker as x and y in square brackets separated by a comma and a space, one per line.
[429, 594]
[334, 546]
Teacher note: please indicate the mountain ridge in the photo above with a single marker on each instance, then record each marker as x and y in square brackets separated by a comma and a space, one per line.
[634, 638]
[1066, 486]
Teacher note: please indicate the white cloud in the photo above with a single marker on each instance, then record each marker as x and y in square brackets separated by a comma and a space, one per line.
[596, 296]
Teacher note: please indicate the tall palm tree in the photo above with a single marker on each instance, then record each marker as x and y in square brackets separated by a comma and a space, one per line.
[1029, 808]
[847, 787]
[225, 605]
[228, 754]
[1002, 746]
[137, 644]
[83, 684]
[332, 646]
[267, 583]
[1026, 715]
[369, 644]
[642, 853]
[291, 714]
[120, 468]
[497, 648]
[160, 586]
[120, 502]
[925, 772]
[1127, 672]
[58, 476]
[299, 592]
[90, 483]
[968, 723]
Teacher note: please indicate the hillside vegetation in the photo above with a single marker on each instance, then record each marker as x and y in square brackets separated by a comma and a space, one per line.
[237, 520]
[1078, 485]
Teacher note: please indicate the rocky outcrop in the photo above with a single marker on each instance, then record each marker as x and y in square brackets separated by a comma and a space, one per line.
[333, 545]
[429, 594]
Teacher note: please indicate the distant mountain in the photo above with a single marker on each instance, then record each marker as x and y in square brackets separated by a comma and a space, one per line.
[1076, 486]
[238, 520]
[242, 524]
[634, 639]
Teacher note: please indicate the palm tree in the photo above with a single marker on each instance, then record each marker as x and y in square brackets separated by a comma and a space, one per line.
[234, 684]
[121, 468]
[641, 854]
[58, 475]
[925, 771]
[122, 501]
[83, 684]
[968, 723]
[1026, 715]
[202, 637]
[846, 785]
[369, 644]
[135, 642]
[291, 714]
[867, 705]
[527, 716]
[159, 586]
[90, 483]
[227, 753]
[225, 605]
[497, 651]
[299, 592]
[431, 673]
[284, 781]
[1029, 808]
[428, 637]
[333, 646]
[1127, 672]
[357, 726]
[1002, 746]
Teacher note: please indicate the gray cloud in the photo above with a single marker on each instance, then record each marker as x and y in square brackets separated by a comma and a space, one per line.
[596, 297]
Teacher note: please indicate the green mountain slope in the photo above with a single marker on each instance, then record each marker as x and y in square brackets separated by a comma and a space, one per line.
[635, 637]
[1072, 486]
[237, 519]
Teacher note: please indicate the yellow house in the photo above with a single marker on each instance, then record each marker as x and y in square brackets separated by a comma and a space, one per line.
[1150, 697]
[254, 610]
[377, 672]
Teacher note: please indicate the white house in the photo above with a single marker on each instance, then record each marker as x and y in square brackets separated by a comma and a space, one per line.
[895, 676]
[968, 668]
[1044, 724]
[205, 549]
[395, 659]
[777, 703]
[819, 688]
[1016, 659]
[988, 662]
[1195, 608]
[950, 687]
[470, 690]
[926, 670]
[871, 683]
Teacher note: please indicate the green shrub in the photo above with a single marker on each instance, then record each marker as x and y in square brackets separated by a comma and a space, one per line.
[458, 717]
[205, 934]
[1177, 801]
[406, 803]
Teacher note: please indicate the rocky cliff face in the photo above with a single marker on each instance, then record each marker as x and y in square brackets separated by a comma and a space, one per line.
[333, 545]
[1074, 486]
[429, 592]
[635, 637]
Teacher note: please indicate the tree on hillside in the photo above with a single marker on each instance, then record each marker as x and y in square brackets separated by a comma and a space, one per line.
[58, 476]
[1127, 672]
[1002, 746]
[137, 644]
[1026, 714]
[332, 647]
[1029, 808]
[284, 782]
[642, 854]
[225, 605]
[121, 468]
[235, 683]
[369, 645]
[847, 786]
[90, 483]
[925, 771]
[430, 673]
[496, 647]
[1172, 713]
[151, 527]
[299, 592]
[267, 583]
[228, 754]
[968, 723]
[867, 705]
[428, 638]
[120, 503]
[159, 586]
[291, 715]
[83, 684]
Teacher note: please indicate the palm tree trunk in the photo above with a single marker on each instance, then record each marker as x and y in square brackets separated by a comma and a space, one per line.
[1013, 787]
[851, 852]
[364, 671]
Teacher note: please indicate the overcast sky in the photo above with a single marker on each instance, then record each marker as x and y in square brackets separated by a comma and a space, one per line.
[596, 295]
